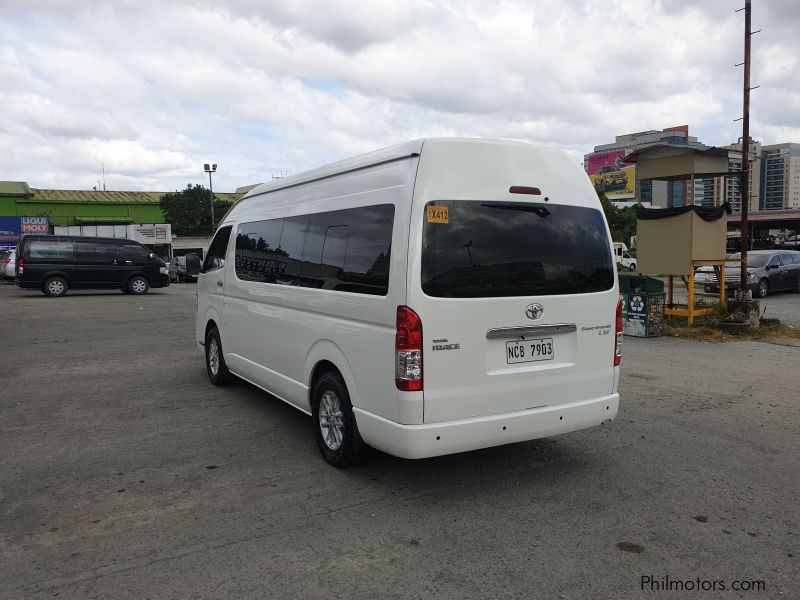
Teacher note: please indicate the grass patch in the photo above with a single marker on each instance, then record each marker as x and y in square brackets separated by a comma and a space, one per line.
[706, 329]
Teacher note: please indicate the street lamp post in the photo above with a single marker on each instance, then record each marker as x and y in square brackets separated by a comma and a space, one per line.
[211, 169]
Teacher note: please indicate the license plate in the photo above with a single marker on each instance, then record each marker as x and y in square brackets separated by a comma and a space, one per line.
[529, 350]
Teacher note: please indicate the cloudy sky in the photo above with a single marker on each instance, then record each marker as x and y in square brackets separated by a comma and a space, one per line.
[154, 90]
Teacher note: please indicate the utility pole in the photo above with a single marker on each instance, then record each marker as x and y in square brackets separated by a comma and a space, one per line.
[744, 186]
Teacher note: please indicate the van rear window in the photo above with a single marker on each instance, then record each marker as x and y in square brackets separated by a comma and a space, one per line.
[482, 249]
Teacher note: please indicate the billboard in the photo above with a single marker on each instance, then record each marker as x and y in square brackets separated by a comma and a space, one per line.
[609, 172]
[11, 228]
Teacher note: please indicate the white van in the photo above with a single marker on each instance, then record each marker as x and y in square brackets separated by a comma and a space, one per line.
[434, 297]
[623, 258]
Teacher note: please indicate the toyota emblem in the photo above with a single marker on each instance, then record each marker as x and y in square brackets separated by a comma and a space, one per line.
[534, 311]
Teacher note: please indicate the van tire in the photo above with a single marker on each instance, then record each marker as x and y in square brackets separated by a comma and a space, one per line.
[763, 288]
[55, 287]
[216, 368]
[341, 445]
[138, 285]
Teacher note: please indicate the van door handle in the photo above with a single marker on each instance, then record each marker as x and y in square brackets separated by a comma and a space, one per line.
[219, 284]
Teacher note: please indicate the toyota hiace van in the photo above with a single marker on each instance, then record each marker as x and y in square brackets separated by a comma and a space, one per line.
[434, 297]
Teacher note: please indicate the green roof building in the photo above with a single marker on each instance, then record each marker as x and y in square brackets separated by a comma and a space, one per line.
[81, 207]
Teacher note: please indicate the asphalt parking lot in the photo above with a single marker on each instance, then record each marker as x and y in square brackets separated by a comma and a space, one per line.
[125, 474]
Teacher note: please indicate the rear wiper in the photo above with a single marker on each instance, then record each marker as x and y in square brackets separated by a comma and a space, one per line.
[537, 210]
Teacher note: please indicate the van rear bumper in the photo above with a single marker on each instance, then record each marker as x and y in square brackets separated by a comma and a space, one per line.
[449, 437]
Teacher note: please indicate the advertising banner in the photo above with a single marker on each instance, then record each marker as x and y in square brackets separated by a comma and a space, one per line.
[609, 172]
[40, 225]
[11, 228]
[153, 234]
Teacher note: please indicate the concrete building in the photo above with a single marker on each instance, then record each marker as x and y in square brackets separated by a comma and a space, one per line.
[659, 194]
[780, 177]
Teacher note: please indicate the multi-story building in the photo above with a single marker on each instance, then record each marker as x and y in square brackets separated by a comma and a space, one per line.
[780, 177]
[728, 188]
[606, 167]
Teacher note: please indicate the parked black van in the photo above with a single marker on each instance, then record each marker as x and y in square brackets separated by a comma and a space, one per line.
[55, 264]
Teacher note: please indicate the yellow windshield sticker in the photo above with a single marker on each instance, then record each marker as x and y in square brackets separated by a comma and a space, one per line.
[437, 214]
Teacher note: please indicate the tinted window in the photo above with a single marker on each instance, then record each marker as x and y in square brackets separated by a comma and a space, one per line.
[258, 253]
[215, 257]
[293, 237]
[136, 254]
[345, 250]
[755, 261]
[786, 259]
[775, 261]
[476, 249]
[51, 249]
[95, 252]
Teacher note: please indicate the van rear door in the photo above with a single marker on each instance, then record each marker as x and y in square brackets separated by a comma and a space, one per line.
[517, 302]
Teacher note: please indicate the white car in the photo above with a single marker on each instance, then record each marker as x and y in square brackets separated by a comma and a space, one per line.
[434, 297]
[7, 260]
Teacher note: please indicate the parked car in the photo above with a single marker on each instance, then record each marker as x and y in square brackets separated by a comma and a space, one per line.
[767, 271]
[55, 264]
[434, 297]
[7, 262]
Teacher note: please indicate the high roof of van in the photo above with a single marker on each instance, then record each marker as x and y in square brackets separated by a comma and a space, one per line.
[392, 153]
[551, 164]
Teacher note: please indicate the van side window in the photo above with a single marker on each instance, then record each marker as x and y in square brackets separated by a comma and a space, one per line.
[292, 240]
[345, 250]
[136, 254]
[367, 253]
[215, 257]
[258, 254]
[51, 249]
[94, 252]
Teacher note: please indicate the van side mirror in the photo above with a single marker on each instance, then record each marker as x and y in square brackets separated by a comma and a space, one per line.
[151, 256]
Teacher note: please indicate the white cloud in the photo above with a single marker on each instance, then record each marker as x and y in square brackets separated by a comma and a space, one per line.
[154, 90]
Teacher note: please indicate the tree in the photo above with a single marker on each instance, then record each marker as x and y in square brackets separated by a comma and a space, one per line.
[621, 221]
[189, 211]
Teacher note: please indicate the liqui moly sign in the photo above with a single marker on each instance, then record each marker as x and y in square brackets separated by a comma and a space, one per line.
[35, 225]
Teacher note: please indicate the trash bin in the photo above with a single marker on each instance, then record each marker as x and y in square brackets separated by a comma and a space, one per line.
[642, 305]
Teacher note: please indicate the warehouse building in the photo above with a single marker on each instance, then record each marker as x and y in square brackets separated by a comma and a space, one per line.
[90, 212]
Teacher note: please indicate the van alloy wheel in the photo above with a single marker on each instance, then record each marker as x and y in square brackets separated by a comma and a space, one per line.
[55, 286]
[213, 357]
[216, 368]
[763, 288]
[331, 420]
[138, 285]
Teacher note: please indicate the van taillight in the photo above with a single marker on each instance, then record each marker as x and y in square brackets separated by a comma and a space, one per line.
[618, 338]
[21, 264]
[408, 351]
